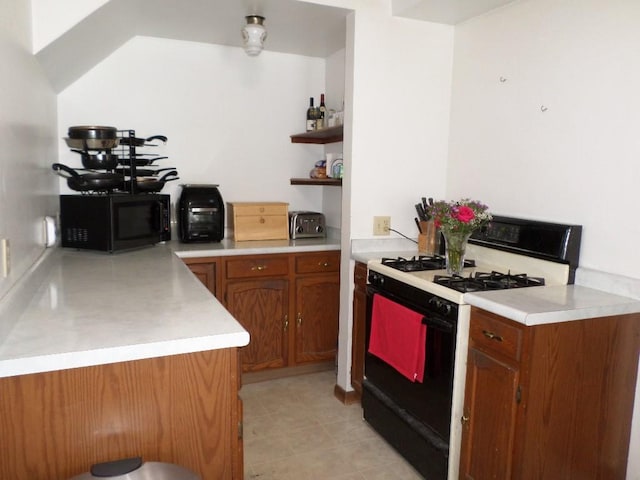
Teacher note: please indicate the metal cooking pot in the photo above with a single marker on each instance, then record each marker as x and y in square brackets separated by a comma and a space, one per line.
[135, 469]
[93, 132]
[88, 181]
[92, 143]
[105, 161]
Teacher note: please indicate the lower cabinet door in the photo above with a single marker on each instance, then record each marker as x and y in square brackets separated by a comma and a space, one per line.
[261, 307]
[316, 322]
[489, 418]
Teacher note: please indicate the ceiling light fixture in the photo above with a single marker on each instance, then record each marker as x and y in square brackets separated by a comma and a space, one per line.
[253, 35]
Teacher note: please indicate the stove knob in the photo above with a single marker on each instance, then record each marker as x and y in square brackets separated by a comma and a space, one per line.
[319, 229]
[299, 229]
[445, 308]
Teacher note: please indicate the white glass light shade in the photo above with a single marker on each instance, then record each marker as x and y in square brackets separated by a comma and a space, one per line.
[254, 34]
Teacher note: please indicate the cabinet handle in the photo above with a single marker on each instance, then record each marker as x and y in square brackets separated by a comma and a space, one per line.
[324, 264]
[299, 318]
[491, 335]
[259, 268]
[262, 220]
[286, 322]
[464, 420]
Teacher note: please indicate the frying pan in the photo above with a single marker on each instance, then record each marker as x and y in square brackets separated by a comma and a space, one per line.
[92, 143]
[105, 161]
[139, 142]
[140, 162]
[87, 132]
[143, 172]
[88, 181]
[152, 184]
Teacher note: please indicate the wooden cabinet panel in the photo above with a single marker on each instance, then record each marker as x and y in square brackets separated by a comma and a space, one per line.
[206, 273]
[358, 331]
[489, 418]
[318, 262]
[317, 312]
[493, 333]
[178, 409]
[257, 266]
[261, 307]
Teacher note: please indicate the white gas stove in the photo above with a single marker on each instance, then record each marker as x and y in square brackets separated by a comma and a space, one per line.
[421, 420]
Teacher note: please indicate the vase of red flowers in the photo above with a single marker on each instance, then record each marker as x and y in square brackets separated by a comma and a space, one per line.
[457, 220]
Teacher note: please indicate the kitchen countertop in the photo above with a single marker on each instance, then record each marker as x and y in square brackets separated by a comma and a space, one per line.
[552, 304]
[82, 308]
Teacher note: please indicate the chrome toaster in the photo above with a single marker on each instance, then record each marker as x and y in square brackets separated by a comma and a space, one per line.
[306, 225]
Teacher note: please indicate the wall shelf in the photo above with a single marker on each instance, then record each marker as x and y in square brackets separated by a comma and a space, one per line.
[326, 135]
[317, 181]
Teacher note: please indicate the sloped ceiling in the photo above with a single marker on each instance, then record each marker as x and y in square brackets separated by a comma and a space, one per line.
[293, 26]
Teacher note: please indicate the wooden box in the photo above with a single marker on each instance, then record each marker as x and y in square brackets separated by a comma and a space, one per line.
[259, 220]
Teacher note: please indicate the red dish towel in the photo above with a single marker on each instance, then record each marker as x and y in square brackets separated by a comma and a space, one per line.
[398, 337]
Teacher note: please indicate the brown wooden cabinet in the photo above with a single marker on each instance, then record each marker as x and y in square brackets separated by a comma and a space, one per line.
[358, 332]
[289, 304]
[206, 269]
[181, 409]
[317, 306]
[549, 401]
[261, 307]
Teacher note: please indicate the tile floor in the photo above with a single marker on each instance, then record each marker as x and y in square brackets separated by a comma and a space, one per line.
[295, 429]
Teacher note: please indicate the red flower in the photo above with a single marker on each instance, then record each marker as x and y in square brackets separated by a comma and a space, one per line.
[465, 214]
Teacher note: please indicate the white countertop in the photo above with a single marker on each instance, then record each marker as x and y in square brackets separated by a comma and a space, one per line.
[552, 304]
[83, 308]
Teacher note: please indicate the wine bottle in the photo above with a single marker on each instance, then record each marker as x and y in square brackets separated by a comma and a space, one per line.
[321, 123]
[312, 116]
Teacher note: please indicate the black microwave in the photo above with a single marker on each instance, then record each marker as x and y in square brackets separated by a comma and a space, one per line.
[114, 222]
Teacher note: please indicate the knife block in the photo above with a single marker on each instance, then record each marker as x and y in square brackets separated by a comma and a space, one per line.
[429, 239]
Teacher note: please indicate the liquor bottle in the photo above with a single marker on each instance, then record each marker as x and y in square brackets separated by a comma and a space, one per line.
[321, 123]
[312, 116]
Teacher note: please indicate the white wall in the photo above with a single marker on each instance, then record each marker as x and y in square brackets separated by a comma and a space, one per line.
[578, 162]
[401, 100]
[27, 132]
[228, 116]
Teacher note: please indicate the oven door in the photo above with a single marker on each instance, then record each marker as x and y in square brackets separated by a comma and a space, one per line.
[430, 401]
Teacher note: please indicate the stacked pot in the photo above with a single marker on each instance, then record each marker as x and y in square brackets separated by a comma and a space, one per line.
[106, 171]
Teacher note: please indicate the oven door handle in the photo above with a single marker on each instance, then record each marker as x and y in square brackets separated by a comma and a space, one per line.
[438, 323]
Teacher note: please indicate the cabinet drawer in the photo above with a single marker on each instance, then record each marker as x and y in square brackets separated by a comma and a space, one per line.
[491, 332]
[318, 263]
[257, 267]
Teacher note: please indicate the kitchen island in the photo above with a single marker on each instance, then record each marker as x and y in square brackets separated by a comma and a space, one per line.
[111, 356]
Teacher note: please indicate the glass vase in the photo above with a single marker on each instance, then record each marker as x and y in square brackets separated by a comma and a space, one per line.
[455, 244]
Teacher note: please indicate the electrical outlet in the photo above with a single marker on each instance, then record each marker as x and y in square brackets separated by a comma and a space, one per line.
[381, 225]
[5, 258]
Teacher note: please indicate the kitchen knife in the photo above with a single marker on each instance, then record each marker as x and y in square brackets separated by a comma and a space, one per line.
[421, 212]
[418, 225]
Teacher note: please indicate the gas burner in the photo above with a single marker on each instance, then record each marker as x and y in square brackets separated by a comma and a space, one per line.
[487, 281]
[420, 263]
